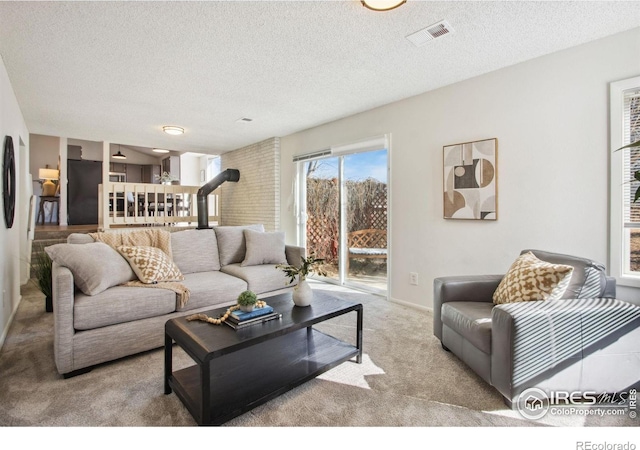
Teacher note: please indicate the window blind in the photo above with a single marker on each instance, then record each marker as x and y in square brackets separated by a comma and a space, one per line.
[366, 145]
[631, 158]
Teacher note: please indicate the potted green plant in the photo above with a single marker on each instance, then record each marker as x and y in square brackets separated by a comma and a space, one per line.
[302, 293]
[636, 174]
[42, 265]
[166, 178]
[247, 301]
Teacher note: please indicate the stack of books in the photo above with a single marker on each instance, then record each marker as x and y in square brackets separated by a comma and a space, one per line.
[240, 319]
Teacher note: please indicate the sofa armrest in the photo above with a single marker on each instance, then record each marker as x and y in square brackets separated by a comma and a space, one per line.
[467, 288]
[63, 331]
[294, 254]
[533, 341]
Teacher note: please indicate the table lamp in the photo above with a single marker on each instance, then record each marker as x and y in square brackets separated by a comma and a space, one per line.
[48, 187]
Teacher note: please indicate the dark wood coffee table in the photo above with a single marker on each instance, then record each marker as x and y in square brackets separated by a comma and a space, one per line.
[236, 371]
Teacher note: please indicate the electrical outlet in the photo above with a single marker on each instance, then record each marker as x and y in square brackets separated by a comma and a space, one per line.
[413, 278]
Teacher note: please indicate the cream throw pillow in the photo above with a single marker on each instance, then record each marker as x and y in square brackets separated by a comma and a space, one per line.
[151, 264]
[95, 266]
[264, 248]
[530, 279]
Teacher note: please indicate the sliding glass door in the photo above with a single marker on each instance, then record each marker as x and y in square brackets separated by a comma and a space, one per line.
[343, 198]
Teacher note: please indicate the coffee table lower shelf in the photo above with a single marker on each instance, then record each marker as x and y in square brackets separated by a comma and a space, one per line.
[242, 380]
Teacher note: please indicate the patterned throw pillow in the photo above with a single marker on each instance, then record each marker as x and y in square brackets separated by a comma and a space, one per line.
[151, 264]
[530, 279]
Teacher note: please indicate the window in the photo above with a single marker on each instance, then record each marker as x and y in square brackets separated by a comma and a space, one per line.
[213, 167]
[625, 213]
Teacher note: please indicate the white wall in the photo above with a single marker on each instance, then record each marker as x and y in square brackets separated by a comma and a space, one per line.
[93, 151]
[12, 124]
[550, 116]
[190, 169]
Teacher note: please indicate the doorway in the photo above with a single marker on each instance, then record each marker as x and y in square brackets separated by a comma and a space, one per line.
[343, 196]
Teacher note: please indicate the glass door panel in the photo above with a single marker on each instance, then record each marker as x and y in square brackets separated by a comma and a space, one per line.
[365, 210]
[323, 212]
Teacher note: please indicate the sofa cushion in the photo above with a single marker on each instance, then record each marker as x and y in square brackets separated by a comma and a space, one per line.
[531, 279]
[260, 279]
[150, 264]
[472, 320]
[95, 266]
[211, 289]
[120, 304]
[264, 248]
[195, 250]
[231, 243]
[79, 238]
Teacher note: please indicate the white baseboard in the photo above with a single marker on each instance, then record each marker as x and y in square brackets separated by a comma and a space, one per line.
[410, 305]
[8, 324]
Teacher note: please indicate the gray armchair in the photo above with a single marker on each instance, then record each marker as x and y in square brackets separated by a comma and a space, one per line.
[586, 341]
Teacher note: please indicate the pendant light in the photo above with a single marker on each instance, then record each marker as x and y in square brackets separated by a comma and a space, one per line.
[118, 155]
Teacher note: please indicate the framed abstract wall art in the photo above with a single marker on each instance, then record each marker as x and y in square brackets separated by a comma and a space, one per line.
[471, 180]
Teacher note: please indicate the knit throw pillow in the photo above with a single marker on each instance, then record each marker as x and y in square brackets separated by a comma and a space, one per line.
[530, 279]
[151, 264]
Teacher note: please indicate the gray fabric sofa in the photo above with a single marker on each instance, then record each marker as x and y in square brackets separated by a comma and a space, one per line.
[123, 320]
[585, 341]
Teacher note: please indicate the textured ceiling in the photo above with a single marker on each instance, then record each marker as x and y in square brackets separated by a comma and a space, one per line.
[118, 71]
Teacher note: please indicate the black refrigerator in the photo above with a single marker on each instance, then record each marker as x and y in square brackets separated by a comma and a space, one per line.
[82, 191]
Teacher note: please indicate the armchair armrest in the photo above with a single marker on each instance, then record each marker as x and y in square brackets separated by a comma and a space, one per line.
[63, 297]
[531, 342]
[294, 254]
[467, 288]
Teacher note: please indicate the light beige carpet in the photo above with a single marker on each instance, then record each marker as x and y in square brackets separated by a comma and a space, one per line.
[406, 380]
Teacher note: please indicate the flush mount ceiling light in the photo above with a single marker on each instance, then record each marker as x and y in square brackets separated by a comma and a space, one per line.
[173, 130]
[118, 155]
[382, 5]
[160, 150]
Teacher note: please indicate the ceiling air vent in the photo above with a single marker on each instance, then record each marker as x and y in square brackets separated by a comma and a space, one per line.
[244, 120]
[430, 33]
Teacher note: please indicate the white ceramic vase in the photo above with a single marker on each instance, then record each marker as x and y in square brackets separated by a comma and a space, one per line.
[302, 294]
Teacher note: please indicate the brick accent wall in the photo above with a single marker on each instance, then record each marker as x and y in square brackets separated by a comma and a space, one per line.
[256, 197]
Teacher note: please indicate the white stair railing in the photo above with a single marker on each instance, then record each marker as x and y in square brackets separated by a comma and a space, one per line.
[139, 204]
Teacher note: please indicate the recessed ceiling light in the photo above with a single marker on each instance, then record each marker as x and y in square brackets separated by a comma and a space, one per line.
[160, 150]
[173, 130]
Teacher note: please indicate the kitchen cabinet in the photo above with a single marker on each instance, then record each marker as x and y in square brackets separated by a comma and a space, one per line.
[150, 173]
[134, 173]
[171, 164]
[117, 167]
